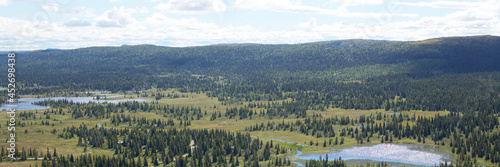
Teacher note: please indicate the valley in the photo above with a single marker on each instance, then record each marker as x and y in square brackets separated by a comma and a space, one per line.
[362, 102]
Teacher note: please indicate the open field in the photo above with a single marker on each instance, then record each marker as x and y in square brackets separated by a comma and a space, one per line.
[40, 137]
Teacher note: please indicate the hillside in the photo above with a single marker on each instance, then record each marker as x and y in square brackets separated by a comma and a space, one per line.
[442, 94]
[427, 58]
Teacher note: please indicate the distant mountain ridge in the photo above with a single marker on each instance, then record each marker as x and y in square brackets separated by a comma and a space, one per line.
[352, 59]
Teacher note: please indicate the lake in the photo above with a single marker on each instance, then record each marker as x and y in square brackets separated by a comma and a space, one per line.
[392, 154]
[26, 103]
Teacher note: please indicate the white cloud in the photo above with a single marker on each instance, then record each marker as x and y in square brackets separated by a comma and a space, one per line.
[107, 28]
[478, 19]
[442, 4]
[4, 2]
[263, 4]
[297, 7]
[158, 20]
[116, 17]
[309, 24]
[192, 6]
[359, 2]
[279, 6]
[347, 3]
[51, 7]
[156, 29]
[78, 11]
[466, 22]
[19, 34]
[142, 10]
[74, 22]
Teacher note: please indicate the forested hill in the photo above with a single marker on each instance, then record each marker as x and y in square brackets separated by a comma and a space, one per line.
[339, 60]
[305, 92]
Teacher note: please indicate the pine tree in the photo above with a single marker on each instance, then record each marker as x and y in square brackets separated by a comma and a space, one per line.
[146, 161]
[266, 154]
[48, 154]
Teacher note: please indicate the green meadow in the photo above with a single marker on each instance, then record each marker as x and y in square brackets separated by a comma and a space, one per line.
[30, 133]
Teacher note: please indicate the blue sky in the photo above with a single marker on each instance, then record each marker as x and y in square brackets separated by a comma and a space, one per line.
[66, 24]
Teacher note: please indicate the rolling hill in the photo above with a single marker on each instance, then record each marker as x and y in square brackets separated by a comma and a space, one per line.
[340, 60]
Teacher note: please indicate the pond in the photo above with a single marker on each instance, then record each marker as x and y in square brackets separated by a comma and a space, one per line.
[392, 154]
[26, 103]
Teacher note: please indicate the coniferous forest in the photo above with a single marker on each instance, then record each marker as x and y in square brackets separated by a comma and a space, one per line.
[226, 104]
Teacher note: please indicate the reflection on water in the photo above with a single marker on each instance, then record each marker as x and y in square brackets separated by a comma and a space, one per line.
[398, 153]
[275, 139]
[97, 92]
[392, 154]
[26, 103]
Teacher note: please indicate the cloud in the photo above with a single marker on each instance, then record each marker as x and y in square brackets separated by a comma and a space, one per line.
[51, 7]
[359, 2]
[442, 4]
[4, 2]
[142, 10]
[296, 7]
[192, 6]
[347, 3]
[277, 5]
[20, 34]
[173, 30]
[108, 23]
[74, 22]
[116, 17]
[159, 20]
[477, 19]
[309, 24]
[473, 21]
[480, 11]
[77, 11]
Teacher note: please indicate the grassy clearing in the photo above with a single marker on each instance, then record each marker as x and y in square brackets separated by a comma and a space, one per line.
[39, 136]
[332, 112]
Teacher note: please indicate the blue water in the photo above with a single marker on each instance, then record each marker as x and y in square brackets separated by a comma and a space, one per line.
[26, 103]
[393, 154]
[298, 164]
[399, 153]
[98, 92]
[102, 92]
[275, 139]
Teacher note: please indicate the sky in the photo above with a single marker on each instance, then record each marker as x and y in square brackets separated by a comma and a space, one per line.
[69, 24]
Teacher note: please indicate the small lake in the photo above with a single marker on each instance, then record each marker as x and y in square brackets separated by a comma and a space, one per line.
[26, 103]
[106, 91]
[392, 154]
